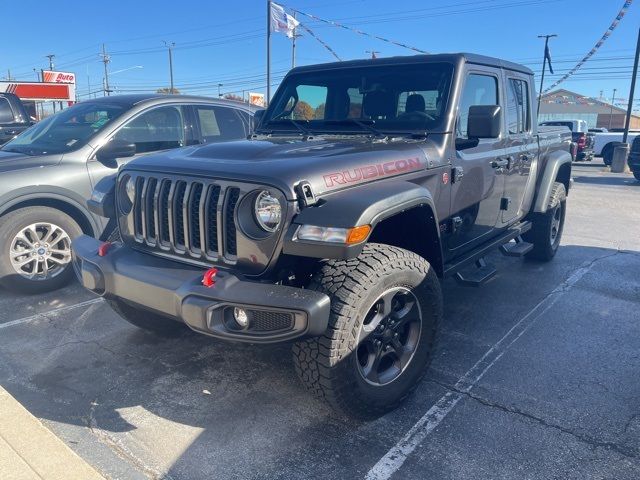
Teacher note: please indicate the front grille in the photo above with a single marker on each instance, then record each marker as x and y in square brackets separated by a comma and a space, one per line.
[262, 321]
[186, 217]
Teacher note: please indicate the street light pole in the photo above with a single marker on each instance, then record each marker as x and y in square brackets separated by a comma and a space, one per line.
[611, 109]
[544, 67]
[627, 120]
[219, 94]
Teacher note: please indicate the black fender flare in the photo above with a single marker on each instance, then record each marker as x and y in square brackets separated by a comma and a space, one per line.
[362, 205]
[553, 163]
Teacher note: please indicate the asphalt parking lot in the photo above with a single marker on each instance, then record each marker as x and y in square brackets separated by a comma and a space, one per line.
[536, 376]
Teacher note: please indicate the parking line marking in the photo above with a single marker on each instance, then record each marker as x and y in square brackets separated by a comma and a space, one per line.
[391, 462]
[55, 311]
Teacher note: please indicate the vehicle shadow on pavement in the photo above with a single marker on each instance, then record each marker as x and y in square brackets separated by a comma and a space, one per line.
[622, 180]
[194, 407]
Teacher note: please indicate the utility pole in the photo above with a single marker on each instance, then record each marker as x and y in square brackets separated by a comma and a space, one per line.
[8, 74]
[219, 94]
[51, 56]
[627, 120]
[170, 46]
[293, 44]
[268, 52]
[611, 110]
[544, 66]
[373, 53]
[106, 59]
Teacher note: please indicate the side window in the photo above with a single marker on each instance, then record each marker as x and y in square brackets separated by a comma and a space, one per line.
[518, 110]
[219, 124]
[161, 128]
[478, 90]
[6, 114]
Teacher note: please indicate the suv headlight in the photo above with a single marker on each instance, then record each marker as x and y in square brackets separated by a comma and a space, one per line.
[268, 211]
[127, 194]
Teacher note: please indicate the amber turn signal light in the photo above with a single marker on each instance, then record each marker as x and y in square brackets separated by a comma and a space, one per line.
[358, 234]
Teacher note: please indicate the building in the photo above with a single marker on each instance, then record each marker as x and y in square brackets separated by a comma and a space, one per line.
[566, 105]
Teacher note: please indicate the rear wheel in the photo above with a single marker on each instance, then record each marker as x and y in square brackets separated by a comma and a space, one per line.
[385, 308]
[35, 249]
[157, 324]
[546, 231]
[607, 155]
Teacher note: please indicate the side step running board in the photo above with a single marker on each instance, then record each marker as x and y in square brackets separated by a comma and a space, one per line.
[478, 277]
[478, 253]
[519, 248]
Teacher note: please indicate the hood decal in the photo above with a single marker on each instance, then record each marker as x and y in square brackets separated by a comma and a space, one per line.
[367, 172]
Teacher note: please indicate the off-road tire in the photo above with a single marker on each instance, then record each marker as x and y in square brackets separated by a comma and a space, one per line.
[145, 320]
[10, 225]
[327, 365]
[544, 248]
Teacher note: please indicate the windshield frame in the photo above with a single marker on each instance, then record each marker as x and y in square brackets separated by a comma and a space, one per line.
[270, 124]
[34, 148]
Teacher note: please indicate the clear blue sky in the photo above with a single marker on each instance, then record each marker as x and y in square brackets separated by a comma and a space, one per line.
[223, 41]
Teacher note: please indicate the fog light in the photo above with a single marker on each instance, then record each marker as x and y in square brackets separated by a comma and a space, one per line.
[241, 317]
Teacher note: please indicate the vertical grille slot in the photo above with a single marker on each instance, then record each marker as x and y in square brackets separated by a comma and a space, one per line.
[178, 217]
[149, 210]
[211, 215]
[232, 194]
[194, 217]
[137, 217]
[163, 212]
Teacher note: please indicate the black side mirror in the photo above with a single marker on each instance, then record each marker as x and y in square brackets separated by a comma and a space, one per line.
[114, 149]
[484, 121]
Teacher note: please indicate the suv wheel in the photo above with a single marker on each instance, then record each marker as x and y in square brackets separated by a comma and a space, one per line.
[157, 324]
[607, 155]
[385, 308]
[546, 231]
[35, 249]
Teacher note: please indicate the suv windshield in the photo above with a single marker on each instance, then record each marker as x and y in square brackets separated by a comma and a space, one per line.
[66, 131]
[368, 99]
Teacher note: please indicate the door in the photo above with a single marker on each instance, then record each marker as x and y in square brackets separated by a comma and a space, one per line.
[153, 130]
[476, 195]
[521, 147]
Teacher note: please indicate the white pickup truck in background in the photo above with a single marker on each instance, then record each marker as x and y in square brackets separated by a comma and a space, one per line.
[604, 143]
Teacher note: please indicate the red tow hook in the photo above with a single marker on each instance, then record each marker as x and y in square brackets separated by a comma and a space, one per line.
[209, 277]
[104, 248]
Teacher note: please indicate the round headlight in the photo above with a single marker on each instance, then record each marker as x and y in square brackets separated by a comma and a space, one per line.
[127, 195]
[268, 211]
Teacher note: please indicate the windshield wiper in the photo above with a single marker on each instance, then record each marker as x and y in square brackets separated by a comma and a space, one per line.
[295, 123]
[364, 124]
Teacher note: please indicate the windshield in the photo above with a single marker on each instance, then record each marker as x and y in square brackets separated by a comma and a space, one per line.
[390, 98]
[66, 131]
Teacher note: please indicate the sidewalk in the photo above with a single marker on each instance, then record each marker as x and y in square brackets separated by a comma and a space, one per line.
[29, 451]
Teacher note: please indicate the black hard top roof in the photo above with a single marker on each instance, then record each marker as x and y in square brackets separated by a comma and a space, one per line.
[409, 59]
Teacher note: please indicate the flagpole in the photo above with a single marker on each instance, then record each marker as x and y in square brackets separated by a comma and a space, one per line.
[268, 52]
[544, 68]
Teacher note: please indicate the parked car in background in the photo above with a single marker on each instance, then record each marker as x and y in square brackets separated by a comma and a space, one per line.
[604, 143]
[14, 119]
[48, 172]
[634, 157]
[579, 135]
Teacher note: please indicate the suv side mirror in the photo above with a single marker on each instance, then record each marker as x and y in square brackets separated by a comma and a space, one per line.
[114, 149]
[484, 121]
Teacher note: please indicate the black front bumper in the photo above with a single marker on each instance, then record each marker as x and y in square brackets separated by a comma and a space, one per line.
[175, 290]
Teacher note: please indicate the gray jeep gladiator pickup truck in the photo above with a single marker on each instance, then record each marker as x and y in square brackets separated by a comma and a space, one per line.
[365, 182]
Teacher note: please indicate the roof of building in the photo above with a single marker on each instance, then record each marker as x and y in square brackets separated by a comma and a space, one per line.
[566, 101]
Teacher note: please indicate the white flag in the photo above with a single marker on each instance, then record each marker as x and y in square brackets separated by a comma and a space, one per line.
[282, 21]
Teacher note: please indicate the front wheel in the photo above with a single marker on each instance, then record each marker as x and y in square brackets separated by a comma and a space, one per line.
[385, 308]
[546, 231]
[35, 249]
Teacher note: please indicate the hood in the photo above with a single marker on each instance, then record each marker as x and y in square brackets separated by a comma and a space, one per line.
[10, 161]
[327, 164]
